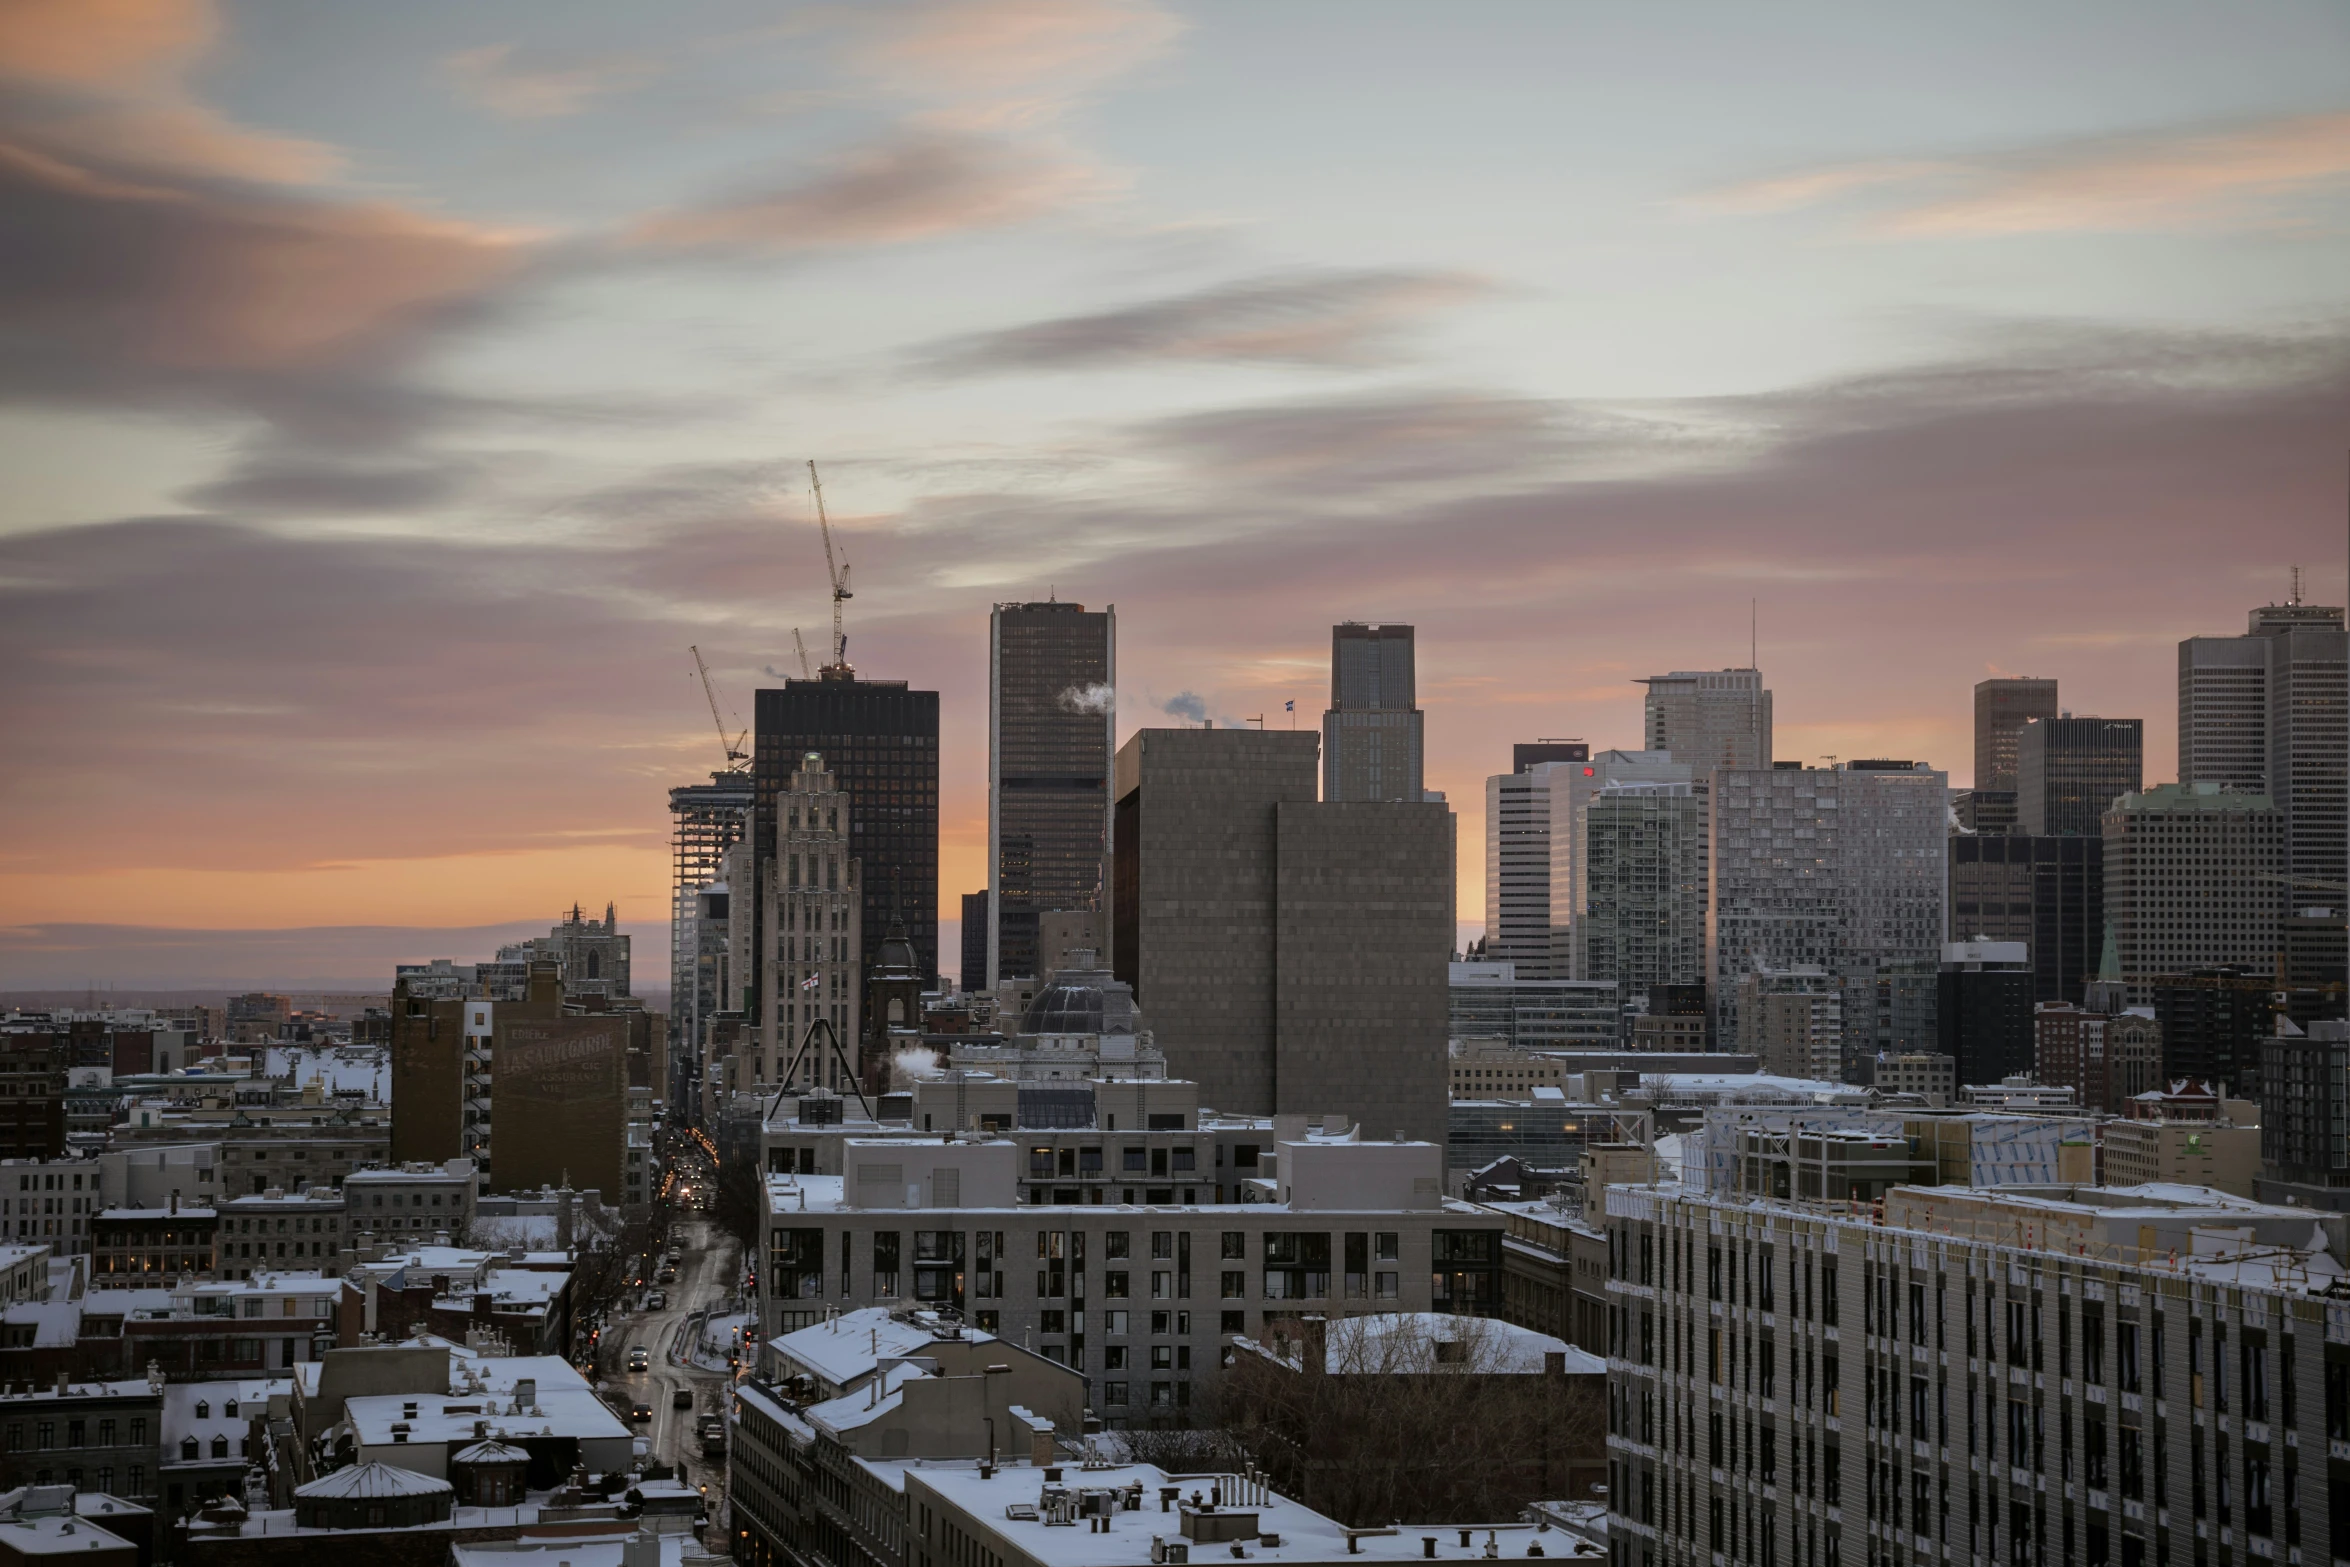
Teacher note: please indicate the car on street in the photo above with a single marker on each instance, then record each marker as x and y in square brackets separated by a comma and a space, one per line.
[683, 1398]
[640, 1410]
[639, 1358]
[657, 1300]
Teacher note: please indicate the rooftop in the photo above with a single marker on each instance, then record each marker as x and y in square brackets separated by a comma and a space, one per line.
[1013, 1505]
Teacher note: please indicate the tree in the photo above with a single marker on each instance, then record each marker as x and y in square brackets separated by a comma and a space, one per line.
[1415, 1418]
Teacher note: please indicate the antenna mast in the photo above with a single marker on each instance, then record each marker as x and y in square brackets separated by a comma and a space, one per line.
[838, 570]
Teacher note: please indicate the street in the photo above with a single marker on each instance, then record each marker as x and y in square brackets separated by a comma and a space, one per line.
[707, 1269]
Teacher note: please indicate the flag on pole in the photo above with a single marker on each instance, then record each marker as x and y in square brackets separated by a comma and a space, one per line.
[1289, 707]
[811, 982]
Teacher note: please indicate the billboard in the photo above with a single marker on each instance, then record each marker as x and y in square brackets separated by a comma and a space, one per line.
[559, 1104]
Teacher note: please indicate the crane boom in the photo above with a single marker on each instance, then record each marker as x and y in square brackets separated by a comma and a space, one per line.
[798, 642]
[836, 569]
[733, 748]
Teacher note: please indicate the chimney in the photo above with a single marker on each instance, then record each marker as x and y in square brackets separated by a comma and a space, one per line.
[175, 1199]
[1040, 1444]
[1314, 1343]
[526, 1392]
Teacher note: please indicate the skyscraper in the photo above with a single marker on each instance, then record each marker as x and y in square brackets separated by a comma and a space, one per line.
[880, 742]
[813, 964]
[705, 819]
[2048, 893]
[2002, 708]
[2269, 712]
[1710, 718]
[1052, 725]
[1372, 733]
[2069, 771]
[1291, 953]
[1534, 831]
[2191, 876]
[1838, 868]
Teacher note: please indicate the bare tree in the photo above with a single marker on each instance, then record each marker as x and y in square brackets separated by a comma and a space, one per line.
[1415, 1418]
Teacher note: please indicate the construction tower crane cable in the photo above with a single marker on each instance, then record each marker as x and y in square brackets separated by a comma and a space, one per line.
[733, 748]
[837, 569]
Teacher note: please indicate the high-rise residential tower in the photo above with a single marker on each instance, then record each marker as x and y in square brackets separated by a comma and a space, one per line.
[1836, 868]
[1372, 733]
[1052, 726]
[879, 740]
[2002, 708]
[2070, 770]
[1292, 953]
[2269, 712]
[1710, 718]
[1642, 919]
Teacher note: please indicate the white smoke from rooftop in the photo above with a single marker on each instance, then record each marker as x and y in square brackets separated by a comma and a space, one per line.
[1089, 699]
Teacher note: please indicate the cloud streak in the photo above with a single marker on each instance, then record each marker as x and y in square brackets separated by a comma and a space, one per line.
[2164, 180]
[1324, 320]
[516, 85]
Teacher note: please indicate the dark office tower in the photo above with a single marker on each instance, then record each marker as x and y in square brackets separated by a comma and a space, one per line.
[1534, 753]
[2069, 771]
[2002, 708]
[1052, 722]
[2048, 893]
[1291, 953]
[974, 970]
[1983, 1009]
[880, 742]
[1371, 736]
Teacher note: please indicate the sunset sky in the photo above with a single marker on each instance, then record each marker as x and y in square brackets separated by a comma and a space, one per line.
[394, 392]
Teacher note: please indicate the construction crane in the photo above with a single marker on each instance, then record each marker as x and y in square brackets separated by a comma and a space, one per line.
[837, 569]
[806, 673]
[734, 747]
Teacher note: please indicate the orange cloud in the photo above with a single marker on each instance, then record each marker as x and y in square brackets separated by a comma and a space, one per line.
[915, 186]
[102, 43]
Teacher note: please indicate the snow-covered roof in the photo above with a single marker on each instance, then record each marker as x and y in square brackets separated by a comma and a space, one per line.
[370, 1482]
[853, 1343]
[228, 1409]
[490, 1452]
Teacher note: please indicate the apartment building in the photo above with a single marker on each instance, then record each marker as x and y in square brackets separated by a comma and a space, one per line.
[2046, 1375]
[1142, 1296]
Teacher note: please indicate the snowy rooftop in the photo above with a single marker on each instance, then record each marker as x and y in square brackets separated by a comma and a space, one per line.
[483, 1394]
[372, 1480]
[848, 1347]
[1007, 1508]
[594, 1551]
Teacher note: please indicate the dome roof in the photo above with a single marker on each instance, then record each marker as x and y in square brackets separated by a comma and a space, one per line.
[492, 1451]
[896, 951]
[371, 1481]
[1064, 1009]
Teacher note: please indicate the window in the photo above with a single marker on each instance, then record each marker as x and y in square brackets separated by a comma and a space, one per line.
[1114, 1284]
[1235, 1246]
[1114, 1323]
[1113, 1392]
[1114, 1243]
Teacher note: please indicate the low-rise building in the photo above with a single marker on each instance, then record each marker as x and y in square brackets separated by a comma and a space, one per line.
[98, 1436]
[281, 1229]
[1927, 1075]
[2184, 1135]
[50, 1201]
[135, 1248]
[406, 1204]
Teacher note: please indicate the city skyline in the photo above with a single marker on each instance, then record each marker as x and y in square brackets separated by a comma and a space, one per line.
[306, 594]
